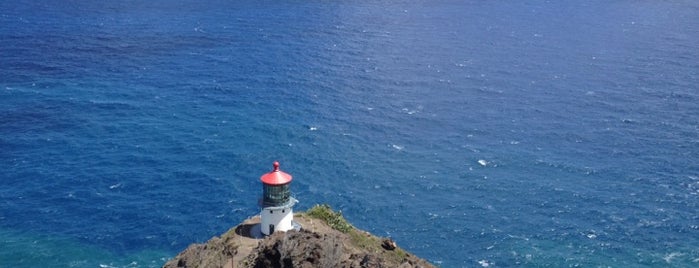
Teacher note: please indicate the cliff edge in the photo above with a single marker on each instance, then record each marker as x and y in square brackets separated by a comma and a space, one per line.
[326, 239]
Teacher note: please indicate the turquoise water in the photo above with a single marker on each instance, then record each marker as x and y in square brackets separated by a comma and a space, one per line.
[474, 133]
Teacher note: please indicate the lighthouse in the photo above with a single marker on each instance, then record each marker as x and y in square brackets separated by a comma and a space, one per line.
[277, 204]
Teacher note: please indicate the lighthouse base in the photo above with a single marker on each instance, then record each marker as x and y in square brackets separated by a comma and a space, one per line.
[252, 228]
[274, 219]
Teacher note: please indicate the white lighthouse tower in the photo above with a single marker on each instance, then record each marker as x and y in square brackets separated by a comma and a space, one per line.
[277, 213]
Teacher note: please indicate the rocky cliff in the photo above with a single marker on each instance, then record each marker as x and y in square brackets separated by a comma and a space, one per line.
[326, 239]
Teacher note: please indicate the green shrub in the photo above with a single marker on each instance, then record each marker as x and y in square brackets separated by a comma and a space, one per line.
[332, 218]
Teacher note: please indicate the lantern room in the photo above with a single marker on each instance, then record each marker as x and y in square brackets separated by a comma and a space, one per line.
[275, 187]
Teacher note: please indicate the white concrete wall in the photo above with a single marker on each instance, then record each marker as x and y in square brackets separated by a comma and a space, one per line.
[281, 220]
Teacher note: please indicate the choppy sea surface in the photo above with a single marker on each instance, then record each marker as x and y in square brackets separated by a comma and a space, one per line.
[474, 133]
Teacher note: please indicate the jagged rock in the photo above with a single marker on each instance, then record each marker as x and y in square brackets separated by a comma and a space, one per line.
[215, 253]
[370, 261]
[299, 249]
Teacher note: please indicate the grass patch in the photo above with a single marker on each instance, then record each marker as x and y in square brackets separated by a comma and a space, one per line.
[359, 239]
[333, 218]
[364, 241]
[372, 243]
[398, 255]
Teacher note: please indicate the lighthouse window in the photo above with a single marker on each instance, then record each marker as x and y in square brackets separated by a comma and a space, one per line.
[282, 211]
[276, 195]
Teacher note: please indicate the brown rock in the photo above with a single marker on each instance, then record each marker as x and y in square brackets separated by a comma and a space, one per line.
[388, 244]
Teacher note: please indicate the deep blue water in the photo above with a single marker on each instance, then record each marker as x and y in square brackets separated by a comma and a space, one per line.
[474, 133]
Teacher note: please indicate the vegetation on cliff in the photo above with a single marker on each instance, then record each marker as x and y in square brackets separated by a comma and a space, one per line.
[333, 218]
[326, 239]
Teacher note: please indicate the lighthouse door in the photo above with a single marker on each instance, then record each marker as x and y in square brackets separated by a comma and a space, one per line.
[271, 228]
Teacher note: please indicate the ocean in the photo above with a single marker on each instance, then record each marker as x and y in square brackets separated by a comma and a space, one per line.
[473, 133]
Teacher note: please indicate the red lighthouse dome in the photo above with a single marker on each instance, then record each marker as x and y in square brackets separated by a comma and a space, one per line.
[276, 176]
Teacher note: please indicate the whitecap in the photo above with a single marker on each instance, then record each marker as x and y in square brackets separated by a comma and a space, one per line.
[484, 263]
[482, 162]
[115, 186]
[669, 257]
[397, 147]
[518, 237]
[591, 234]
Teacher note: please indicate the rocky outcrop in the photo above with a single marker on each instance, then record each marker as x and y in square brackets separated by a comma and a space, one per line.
[299, 249]
[325, 240]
